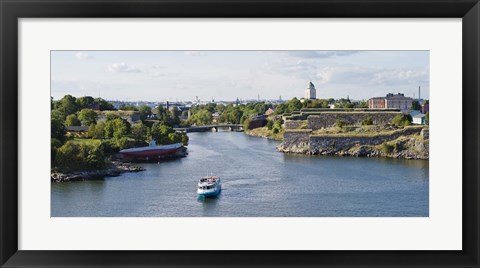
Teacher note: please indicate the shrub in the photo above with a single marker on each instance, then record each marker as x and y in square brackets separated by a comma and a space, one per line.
[72, 120]
[278, 124]
[269, 124]
[402, 120]
[398, 146]
[139, 132]
[88, 117]
[340, 123]
[387, 148]
[246, 123]
[74, 156]
[109, 147]
[184, 139]
[367, 121]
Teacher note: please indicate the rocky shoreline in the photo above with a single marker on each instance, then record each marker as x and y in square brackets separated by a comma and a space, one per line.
[261, 135]
[116, 168]
[403, 147]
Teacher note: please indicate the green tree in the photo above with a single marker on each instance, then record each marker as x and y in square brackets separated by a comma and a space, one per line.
[281, 109]
[246, 123]
[144, 112]
[84, 102]
[415, 105]
[100, 130]
[184, 139]
[211, 107]
[96, 131]
[363, 104]
[175, 113]
[427, 118]
[128, 108]
[318, 103]
[72, 120]
[220, 108]
[57, 129]
[148, 135]
[162, 114]
[277, 126]
[306, 103]
[234, 116]
[294, 105]
[104, 105]
[117, 128]
[139, 132]
[66, 106]
[402, 120]
[73, 156]
[88, 117]
[261, 107]
[203, 117]
[160, 131]
[269, 124]
[111, 116]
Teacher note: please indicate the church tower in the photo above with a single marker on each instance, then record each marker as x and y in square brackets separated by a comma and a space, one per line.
[310, 92]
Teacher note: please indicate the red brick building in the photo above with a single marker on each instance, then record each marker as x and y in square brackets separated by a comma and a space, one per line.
[391, 101]
[376, 103]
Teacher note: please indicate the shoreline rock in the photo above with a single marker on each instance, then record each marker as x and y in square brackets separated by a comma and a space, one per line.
[115, 170]
[259, 135]
[406, 148]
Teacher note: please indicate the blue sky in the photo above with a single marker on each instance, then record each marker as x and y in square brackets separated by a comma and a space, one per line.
[226, 75]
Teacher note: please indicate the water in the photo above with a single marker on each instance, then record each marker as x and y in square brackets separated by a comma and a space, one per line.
[257, 181]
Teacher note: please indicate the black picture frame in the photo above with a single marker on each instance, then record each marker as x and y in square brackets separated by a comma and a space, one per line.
[12, 10]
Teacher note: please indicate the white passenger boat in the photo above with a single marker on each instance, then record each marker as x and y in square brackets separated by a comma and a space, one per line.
[209, 186]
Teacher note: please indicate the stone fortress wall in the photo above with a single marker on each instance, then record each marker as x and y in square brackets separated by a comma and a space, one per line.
[318, 143]
[298, 136]
[324, 118]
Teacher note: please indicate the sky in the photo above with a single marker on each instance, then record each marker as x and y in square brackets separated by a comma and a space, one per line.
[228, 75]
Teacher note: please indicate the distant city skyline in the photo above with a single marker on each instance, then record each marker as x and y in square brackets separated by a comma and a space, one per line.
[227, 75]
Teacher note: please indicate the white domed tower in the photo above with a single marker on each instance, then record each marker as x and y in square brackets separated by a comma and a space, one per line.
[310, 92]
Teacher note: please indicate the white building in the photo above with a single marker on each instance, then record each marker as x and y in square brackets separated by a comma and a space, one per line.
[419, 119]
[310, 92]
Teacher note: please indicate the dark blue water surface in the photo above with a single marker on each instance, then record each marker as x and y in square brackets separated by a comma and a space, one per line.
[257, 181]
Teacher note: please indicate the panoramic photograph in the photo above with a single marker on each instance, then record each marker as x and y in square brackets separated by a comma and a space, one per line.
[240, 133]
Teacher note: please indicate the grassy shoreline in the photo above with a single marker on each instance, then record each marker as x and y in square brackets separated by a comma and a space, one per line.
[264, 132]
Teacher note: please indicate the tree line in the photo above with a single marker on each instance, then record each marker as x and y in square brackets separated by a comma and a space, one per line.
[106, 136]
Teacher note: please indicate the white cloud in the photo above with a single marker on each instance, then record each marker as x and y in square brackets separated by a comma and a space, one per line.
[193, 53]
[82, 55]
[324, 75]
[392, 76]
[319, 54]
[158, 74]
[288, 66]
[122, 67]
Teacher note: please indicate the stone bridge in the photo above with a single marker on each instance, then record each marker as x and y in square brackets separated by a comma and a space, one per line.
[213, 128]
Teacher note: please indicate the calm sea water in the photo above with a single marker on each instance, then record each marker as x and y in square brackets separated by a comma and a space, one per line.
[257, 181]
